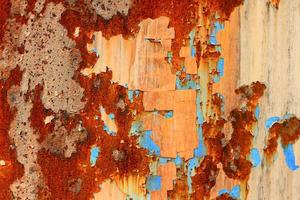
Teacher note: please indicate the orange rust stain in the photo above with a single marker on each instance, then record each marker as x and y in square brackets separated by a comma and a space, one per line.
[274, 3]
[12, 169]
[231, 154]
[223, 7]
[74, 178]
[180, 188]
[4, 15]
[288, 131]
[61, 174]
[205, 178]
[183, 20]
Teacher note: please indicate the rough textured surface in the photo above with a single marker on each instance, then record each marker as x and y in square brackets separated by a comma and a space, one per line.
[108, 8]
[149, 99]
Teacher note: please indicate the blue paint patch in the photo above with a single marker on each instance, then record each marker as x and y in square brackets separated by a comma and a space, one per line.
[94, 154]
[223, 191]
[255, 157]
[146, 142]
[136, 128]
[234, 193]
[191, 42]
[132, 94]
[290, 157]
[188, 84]
[192, 164]
[111, 116]
[220, 70]
[218, 48]
[178, 161]
[200, 151]
[257, 112]
[200, 118]
[153, 183]
[213, 36]
[169, 56]
[164, 160]
[216, 78]
[110, 132]
[271, 121]
[287, 116]
[95, 51]
[169, 114]
[220, 67]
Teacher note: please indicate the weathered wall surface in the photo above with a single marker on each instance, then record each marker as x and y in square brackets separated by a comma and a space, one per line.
[129, 99]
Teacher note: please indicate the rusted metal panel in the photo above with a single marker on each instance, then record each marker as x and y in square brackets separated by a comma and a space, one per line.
[158, 100]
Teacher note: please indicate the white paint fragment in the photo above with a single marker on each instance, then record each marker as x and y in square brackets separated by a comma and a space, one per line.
[2, 162]
[48, 119]
[109, 123]
[76, 32]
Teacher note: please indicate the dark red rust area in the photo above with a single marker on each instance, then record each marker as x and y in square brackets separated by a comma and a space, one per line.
[225, 197]
[180, 188]
[4, 15]
[288, 131]
[235, 162]
[119, 155]
[224, 7]
[231, 153]
[38, 115]
[252, 93]
[214, 138]
[205, 178]
[81, 15]
[12, 170]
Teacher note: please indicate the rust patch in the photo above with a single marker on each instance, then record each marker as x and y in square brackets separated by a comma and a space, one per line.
[274, 3]
[225, 197]
[230, 153]
[288, 131]
[180, 188]
[223, 7]
[12, 169]
[82, 15]
[4, 15]
[205, 178]
[63, 166]
[133, 160]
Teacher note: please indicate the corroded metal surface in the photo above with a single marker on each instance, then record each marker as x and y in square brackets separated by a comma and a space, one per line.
[130, 99]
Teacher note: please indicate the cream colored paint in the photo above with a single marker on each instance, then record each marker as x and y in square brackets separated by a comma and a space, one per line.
[269, 42]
